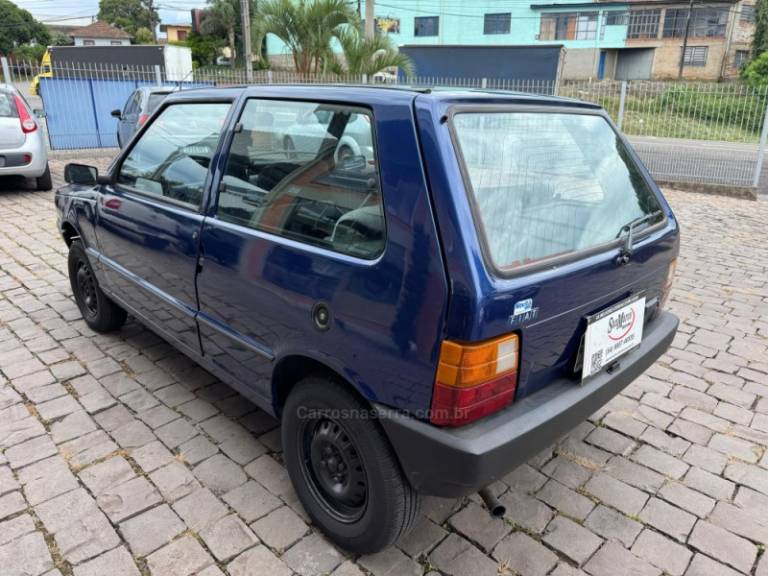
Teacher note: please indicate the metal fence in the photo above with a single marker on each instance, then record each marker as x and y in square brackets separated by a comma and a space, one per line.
[702, 133]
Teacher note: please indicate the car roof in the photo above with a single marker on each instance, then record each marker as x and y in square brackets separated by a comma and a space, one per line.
[372, 93]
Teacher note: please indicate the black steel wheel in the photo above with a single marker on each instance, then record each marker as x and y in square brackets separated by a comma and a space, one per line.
[99, 312]
[343, 468]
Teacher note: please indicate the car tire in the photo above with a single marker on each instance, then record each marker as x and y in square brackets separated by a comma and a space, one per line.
[99, 312]
[44, 183]
[343, 468]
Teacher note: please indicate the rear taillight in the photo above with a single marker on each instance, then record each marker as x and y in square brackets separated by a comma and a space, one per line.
[143, 118]
[474, 380]
[28, 123]
[668, 281]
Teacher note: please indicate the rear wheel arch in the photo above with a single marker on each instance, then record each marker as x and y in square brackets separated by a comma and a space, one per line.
[290, 370]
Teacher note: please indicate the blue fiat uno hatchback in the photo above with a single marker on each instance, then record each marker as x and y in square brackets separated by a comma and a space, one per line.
[426, 287]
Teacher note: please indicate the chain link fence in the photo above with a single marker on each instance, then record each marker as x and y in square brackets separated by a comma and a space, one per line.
[710, 134]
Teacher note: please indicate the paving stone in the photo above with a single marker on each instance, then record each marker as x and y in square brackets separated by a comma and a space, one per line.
[174, 395]
[525, 511]
[687, 499]
[197, 449]
[129, 498]
[251, 501]
[87, 449]
[151, 530]
[281, 528]
[25, 556]
[7, 481]
[610, 441]
[573, 540]
[86, 537]
[522, 554]
[752, 525]
[227, 537]
[390, 562]
[243, 450]
[119, 384]
[457, 557]
[97, 400]
[57, 408]
[614, 560]
[668, 519]
[220, 474]
[736, 448]
[15, 527]
[102, 367]
[258, 561]
[197, 410]
[46, 479]
[133, 435]
[175, 433]
[113, 418]
[634, 474]
[745, 474]
[663, 441]
[311, 556]
[30, 451]
[152, 456]
[706, 459]
[660, 462]
[117, 562]
[11, 503]
[158, 416]
[475, 523]
[709, 484]
[703, 566]
[139, 400]
[200, 509]
[174, 481]
[182, 557]
[525, 479]
[99, 477]
[615, 493]
[662, 552]
[721, 544]
[72, 426]
[567, 472]
[269, 474]
[613, 525]
[350, 569]
[565, 500]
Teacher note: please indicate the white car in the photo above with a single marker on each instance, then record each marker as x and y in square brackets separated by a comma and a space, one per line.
[304, 137]
[22, 147]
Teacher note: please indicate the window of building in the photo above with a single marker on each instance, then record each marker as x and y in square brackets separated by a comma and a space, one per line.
[740, 58]
[568, 26]
[705, 23]
[306, 171]
[89, 42]
[115, 43]
[497, 23]
[644, 23]
[426, 25]
[181, 35]
[171, 159]
[747, 14]
[695, 56]
[616, 18]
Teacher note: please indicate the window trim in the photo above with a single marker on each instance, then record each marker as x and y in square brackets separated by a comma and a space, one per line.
[120, 160]
[213, 203]
[496, 17]
[506, 272]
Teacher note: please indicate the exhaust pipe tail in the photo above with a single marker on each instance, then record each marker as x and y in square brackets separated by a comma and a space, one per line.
[495, 508]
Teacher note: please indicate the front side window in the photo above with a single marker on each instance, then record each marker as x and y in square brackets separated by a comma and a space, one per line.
[568, 26]
[705, 22]
[695, 56]
[497, 23]
[426, 26]
[548, 184]
[644, 23]
[306, 171]
[171, 159]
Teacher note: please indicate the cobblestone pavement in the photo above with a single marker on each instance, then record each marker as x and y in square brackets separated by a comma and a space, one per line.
[120, 457]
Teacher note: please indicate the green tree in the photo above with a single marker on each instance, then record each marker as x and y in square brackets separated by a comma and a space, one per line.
[204, 48]
[60, 39]
[756, 72]
[362, 55]
[19, 27]
[143, 36]
[307, 28]
[222, 18]
[760, 39]
[128, 15]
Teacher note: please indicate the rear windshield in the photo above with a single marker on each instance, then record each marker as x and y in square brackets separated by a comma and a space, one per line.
[7, 106]
[549, 184]
[155, 99]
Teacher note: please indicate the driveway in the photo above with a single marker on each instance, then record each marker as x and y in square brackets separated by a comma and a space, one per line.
[120, 457]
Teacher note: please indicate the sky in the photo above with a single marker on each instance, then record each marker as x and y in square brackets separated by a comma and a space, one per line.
[80, 12]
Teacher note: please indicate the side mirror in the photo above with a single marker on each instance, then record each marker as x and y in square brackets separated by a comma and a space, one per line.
[81, 174]
[116, 114]
[39, 112]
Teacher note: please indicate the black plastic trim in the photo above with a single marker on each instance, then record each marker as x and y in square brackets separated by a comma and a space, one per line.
[454, 462]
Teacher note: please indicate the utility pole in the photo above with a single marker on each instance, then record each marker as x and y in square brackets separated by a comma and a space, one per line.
[369, 18]
[685, 39]
[152, 23]
[245, 14]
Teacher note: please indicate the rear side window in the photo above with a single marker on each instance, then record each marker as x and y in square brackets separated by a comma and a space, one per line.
[7, 106]
[155, 99]
[172, 157]
[549, 184]
[306, 171]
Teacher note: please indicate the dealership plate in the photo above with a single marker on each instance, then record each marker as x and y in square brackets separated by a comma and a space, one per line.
[612, 333]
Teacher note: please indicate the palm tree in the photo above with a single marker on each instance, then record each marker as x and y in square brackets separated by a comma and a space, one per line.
[307, 27]
[370, 55]
[222, 17]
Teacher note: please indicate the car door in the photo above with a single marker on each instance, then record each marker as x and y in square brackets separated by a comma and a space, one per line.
[294, 258]
[149, 218]
[127, 124]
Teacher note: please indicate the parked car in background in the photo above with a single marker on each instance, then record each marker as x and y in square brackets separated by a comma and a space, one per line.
[421, 323]
[22, 147]
[305, 136]
[138, 108]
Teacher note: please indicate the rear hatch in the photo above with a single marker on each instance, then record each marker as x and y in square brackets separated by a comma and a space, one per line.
[11, 134]
[550, 192]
